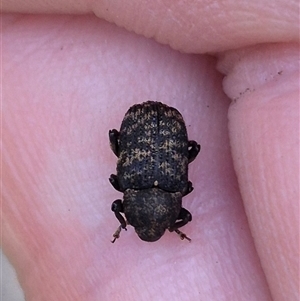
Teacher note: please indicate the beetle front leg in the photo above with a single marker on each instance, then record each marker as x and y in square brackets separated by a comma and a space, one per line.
[184, 216]
[194, 149]
[114, 141]
[117, 208]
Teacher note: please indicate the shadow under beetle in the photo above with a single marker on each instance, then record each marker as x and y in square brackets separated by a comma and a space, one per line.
[153, 153]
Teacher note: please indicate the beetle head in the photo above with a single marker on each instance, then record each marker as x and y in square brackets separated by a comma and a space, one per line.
[151, 211]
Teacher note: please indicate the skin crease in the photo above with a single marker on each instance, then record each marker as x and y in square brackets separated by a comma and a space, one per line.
[67, 80]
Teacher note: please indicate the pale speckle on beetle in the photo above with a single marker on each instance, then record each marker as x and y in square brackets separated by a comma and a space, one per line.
[153, 153]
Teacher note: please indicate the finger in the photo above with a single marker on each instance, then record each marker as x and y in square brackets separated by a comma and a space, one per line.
[264, 135]
[197, 28]
[68, 80]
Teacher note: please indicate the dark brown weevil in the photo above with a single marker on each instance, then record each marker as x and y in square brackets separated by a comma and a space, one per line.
[153, 153]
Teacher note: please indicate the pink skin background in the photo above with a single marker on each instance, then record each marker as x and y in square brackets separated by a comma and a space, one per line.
[68, 79]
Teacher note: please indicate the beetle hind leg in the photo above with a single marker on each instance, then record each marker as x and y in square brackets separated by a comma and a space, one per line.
[194, 149]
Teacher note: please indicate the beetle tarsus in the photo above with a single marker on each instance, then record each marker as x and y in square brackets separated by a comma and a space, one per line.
[116, 235]
[182, 235]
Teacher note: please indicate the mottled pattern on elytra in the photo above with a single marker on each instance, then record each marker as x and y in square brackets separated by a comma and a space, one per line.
[153, 149]
[149, 220]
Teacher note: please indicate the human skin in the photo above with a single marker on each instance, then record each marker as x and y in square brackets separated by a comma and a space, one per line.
[67, 80]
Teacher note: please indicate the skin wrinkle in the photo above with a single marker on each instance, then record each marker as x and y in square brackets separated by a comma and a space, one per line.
[243, 77]
[262, 199]
[154, 21]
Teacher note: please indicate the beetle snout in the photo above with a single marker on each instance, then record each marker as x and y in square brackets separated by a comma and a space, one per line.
[149, 235]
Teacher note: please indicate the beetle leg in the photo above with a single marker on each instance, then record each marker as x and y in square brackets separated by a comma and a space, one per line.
[113, 179]
[182, 235]
[189, 189]
[117, 234]
[117, 207]
[185, 216]
[114, 141]
[194, 149]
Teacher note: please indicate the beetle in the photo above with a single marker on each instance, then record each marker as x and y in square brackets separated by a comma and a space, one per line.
[153, 153]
